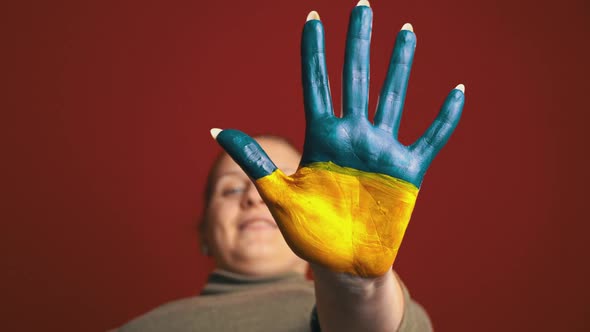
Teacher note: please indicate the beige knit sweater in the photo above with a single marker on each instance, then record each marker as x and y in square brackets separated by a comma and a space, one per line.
[231, 302]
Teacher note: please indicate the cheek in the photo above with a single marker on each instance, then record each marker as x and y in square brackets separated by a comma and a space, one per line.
[222, 220]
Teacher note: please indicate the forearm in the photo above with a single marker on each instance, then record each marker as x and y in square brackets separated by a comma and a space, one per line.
[350, 303]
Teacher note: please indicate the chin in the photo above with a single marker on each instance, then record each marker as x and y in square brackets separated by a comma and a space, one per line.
[266, 251]
[263, 249]
[265, 268]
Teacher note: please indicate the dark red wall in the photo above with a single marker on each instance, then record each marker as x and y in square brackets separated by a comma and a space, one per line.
[106, 110]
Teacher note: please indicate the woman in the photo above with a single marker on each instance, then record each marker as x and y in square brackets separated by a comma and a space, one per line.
[344, 209]
[259, 283]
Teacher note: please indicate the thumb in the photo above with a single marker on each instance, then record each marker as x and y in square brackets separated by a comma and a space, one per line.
[245, 151]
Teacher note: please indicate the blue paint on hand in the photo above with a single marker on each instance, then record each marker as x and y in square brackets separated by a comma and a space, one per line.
[352, 140]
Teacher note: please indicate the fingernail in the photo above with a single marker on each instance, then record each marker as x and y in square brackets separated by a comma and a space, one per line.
[363, 3]
[214, 132]
[313, 15]
[461, 87]
[408, 27]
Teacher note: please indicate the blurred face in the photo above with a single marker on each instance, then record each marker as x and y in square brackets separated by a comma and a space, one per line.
[240, 232]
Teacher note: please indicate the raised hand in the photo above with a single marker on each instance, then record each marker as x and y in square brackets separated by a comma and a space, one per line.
[349, 203]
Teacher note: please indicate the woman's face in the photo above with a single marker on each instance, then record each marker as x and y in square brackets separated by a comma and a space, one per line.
[240, 232]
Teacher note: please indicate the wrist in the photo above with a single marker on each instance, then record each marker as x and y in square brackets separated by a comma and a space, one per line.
[348, 302]
[354, 285]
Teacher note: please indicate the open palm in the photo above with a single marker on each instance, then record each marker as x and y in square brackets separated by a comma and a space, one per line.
[349, 203]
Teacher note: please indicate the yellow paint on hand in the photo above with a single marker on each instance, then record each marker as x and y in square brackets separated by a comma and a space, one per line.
[344, 219]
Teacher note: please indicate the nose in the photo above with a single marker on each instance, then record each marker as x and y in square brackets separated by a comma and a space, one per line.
[251, 197]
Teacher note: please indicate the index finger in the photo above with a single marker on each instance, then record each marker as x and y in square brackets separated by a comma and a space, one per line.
[316, 86]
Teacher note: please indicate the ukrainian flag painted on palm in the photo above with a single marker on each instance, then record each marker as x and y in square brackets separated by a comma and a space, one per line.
[349, 203]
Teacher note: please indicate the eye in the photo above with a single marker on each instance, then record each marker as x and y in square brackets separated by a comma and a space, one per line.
[233, 190]
[231, 186]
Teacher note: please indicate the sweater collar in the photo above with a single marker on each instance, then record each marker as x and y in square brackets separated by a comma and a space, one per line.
[221, 281]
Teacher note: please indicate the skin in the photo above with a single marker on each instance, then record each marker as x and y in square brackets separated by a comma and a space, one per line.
[352, 300]
[365, 234]
[345, 302]
[240, 233]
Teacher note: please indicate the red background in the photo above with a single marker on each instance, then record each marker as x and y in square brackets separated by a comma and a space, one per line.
[105, 122]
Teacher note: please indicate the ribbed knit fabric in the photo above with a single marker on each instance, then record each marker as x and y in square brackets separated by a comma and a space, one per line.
[232, 302]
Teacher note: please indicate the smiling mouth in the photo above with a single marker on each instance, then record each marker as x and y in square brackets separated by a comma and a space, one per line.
[257, 224]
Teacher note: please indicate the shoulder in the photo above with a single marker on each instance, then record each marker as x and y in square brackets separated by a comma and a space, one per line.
[287, 305]
[166, 315]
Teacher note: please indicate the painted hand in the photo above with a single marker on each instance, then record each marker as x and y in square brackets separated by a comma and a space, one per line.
[349, 203]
